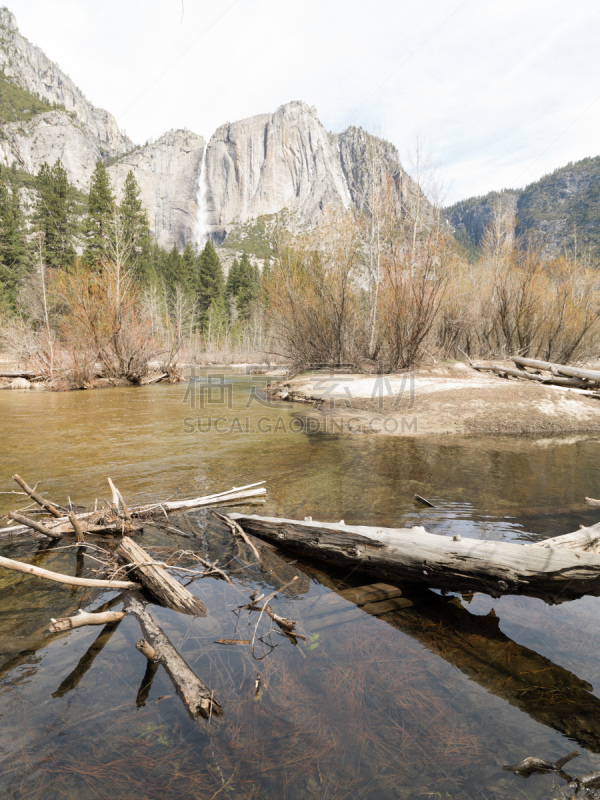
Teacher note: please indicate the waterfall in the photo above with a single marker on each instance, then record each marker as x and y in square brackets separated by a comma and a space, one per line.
[201, 230]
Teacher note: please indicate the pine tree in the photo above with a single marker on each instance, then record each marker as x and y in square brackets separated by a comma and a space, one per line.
[247, 286]
[101, 206]
[189, 269]
[210, 291]
[134, 218]
[15, 257]
[233, 279]
[54, 215]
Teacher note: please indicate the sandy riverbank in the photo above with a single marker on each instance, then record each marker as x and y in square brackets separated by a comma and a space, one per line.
[444, 399]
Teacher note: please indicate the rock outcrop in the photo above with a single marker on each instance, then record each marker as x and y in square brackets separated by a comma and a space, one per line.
[167, 173]
[47, 137]
[262, 165]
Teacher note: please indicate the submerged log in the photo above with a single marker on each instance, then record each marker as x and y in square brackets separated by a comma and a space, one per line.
[157, 580]
[197, 697]
[415, 556]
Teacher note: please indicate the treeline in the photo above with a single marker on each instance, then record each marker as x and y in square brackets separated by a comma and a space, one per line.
[386, 290]
[62, 253]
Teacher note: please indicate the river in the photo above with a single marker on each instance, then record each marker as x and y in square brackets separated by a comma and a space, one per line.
[427, 702]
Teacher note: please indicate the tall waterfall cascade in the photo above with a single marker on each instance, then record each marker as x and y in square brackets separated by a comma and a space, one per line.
[201, 229]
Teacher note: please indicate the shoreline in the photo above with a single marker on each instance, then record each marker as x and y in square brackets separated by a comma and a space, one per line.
[448, 399]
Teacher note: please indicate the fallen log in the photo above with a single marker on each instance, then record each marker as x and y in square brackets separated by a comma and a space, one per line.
[58, 577]
[112, 520]
[415, 556]
[212, 499]
[84, 618]
[197, 697]
[591, 375]
[157, 580]
[584, 540]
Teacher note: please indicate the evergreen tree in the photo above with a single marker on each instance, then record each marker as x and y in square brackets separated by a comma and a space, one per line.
[189, 269]
[15, 257]
[134, 218]
[54, 215]
[233, 279]
[210, 291]
[247, 285]
[101, 206]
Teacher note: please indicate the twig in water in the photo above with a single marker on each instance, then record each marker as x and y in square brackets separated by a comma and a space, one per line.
[236, 528]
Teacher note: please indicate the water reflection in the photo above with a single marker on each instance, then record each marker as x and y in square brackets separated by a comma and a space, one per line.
[427, 702]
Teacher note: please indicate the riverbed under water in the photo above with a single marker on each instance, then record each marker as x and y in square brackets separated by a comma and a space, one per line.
[426, 702]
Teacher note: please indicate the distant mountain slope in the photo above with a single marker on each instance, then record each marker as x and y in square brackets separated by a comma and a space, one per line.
[561, 211]
[30, 68]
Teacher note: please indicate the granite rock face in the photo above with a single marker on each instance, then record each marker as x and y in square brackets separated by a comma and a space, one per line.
[262, 165]
[258, 167]
[48, 137]
[167, 173]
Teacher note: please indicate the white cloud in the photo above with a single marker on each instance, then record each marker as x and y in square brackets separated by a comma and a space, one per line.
[505, 91]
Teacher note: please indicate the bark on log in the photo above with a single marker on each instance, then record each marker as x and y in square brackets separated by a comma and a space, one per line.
[58, 577]
[157, 580]
[198, 698]
[85, 618]
[412, 555]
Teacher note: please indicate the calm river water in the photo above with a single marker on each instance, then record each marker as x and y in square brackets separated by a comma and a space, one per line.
[430, 701]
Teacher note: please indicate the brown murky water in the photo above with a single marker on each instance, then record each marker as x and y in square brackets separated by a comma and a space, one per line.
[429, 701]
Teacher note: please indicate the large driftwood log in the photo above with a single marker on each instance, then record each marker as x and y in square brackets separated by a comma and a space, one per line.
[157, 580]
[412, 555]
[584, 540]
[198, 698]
[58, 577]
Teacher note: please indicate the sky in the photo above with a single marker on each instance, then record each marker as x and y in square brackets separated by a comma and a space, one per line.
[500, 92]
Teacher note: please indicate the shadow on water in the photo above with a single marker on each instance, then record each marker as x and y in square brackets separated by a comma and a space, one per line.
[429, 701]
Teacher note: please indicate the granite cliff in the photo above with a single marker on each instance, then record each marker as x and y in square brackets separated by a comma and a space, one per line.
[250, 169]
